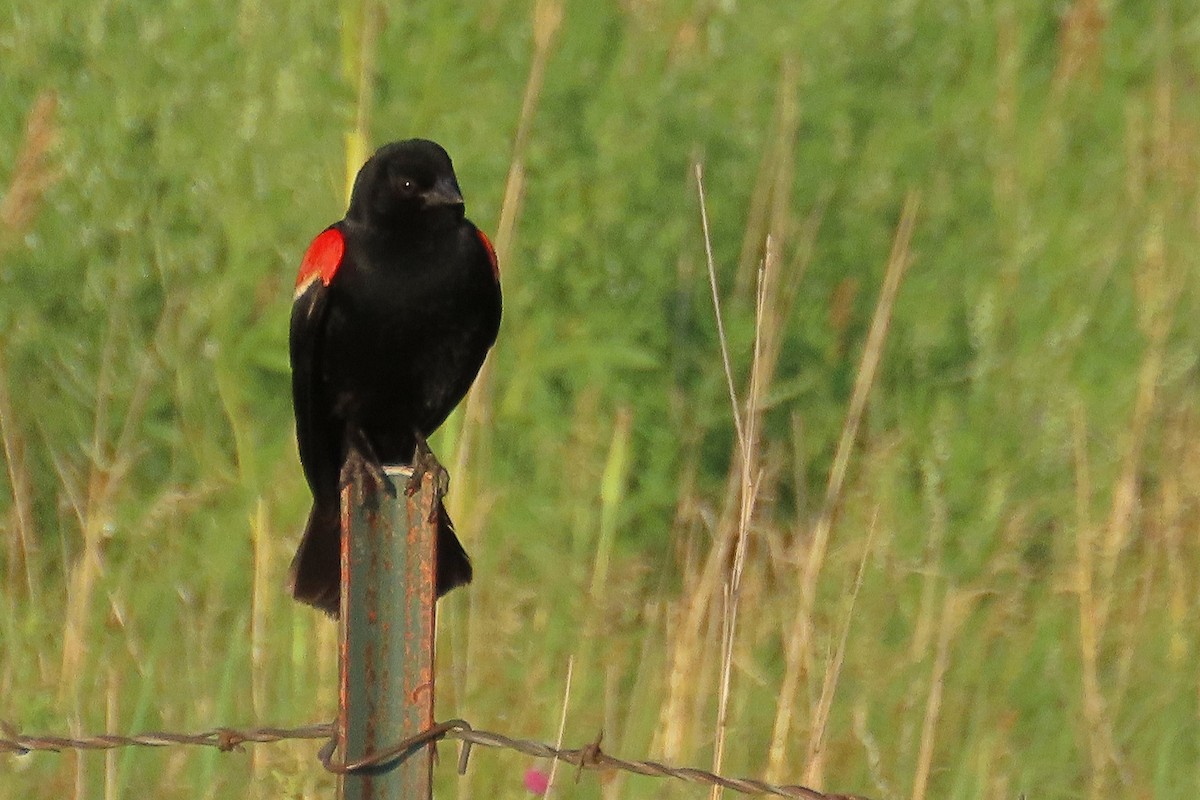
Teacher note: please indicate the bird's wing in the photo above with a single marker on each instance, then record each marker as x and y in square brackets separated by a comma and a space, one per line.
[316, 430]
[493, 324]
[491, 253]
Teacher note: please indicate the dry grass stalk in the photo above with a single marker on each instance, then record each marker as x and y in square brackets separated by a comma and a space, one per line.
[953, 611]
[359, 67]
[782, 284]
[797, 643]
[871, 747]
[691, 615]
[748, 493]
[92, 497]
[263, 588]
[1158, 290]
[1089, 622]
[1080, 35]
[923, 633]
[112, 723]
[1176, 497]
[80, 761]
[562, 726]
[93, 514]
[326, 679]
[778, 290]
[22, 545]
[33, 175]
[774, 223]
[722, 339]
[688, 643]
[898, 262]
[547, 19]
[814, 759]
[472, 445]
[770, 202]
[1126, 491]
[684, 661]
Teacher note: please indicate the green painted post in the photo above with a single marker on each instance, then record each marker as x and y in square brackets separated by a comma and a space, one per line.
[386, 635]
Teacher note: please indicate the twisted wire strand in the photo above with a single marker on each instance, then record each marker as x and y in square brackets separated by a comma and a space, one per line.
[224, 739]
[589, 756]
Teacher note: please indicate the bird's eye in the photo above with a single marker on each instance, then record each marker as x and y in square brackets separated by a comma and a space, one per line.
[404, 185]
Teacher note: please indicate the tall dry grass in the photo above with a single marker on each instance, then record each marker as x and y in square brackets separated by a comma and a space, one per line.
[833, 607]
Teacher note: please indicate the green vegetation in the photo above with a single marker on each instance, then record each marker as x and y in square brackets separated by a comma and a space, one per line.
[1023, 492]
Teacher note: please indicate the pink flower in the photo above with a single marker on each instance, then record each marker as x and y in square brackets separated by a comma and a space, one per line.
[536, 781]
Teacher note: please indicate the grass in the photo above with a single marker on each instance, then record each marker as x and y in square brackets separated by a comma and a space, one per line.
[970, 568]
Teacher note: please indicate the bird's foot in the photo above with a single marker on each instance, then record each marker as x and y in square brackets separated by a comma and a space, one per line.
[426, 463]
[363, 466]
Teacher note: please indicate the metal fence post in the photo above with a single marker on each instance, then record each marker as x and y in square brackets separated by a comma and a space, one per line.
[386, 635]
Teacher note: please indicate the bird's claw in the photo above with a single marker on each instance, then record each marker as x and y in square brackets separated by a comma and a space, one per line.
[426, 463]
[362, 466]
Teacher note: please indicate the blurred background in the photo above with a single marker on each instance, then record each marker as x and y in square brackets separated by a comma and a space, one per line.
[970, 571]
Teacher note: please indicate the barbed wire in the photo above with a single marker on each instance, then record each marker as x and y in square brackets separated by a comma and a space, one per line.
[224, 739]
[589, 756]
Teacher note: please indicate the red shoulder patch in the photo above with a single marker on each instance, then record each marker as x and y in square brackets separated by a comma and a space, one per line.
[322, 259]
[491, 252]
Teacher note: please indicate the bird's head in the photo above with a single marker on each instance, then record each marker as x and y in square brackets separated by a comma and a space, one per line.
[407, 184]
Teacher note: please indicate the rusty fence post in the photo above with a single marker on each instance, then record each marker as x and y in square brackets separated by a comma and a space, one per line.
[386, 635]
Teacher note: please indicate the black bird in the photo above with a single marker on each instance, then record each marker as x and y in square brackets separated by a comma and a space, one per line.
[396, 307]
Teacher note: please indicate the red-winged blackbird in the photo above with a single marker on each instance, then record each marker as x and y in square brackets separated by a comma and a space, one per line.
[396, 306]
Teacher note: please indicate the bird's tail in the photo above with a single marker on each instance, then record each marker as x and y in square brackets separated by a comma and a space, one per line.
[453, 564]
[316, 573]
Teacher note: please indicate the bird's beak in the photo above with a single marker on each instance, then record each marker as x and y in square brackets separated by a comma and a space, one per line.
[443, 193]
